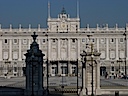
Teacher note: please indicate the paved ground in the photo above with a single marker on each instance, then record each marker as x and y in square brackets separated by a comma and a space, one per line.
[66, 81]
[18, 82]
[114, 83]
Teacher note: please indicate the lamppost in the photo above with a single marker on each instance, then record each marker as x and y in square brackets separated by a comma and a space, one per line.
[119, 61]
[125, 52]
[83, 60]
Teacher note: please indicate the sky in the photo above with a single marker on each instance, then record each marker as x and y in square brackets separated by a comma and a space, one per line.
[34, 12]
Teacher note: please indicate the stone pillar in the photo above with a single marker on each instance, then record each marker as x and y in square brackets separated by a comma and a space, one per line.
[34, 70]
[107, 49]
[98, 90]
[20, 50]
[127, 48]
[59, 68]
[0, 49]
[58, 48]
[84, 82]
[69, 68]
[49, 49]
[98, 44]
[69, 49]
[49, 68]
[78, 48]
[117, 57]
[10, 50]
[87, 75]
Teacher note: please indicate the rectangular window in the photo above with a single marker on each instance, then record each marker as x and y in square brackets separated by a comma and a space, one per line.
[24, 41]
[93, 40]
[102, 40]
[112, 68]
[15, 69]
[53, 40]
[112, 54]
[121, 52]
[121, 40]
[23, 56]
[112, 40]
[5, 55]
[43, 41]
[5, 41]
[73, 40]
[73, 54]
[54, 53]
[83, 40]
[102, 55]
[15, 55]
[15, 41]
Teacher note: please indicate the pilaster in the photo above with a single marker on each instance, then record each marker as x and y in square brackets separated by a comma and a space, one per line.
[126, 49]
[49, 68]
[10, 50]
[98, 90]
[107, 49]
[49, 49]
[98, 75]
[59, 68]
[58, 48]
[117, 57]
[69, 68]
[1, 50]
[20, 50]
[69, 48]
[78, 48]
[98, 44]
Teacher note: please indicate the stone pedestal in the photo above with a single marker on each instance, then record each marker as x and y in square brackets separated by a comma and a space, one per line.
[34, 70]
[87, 75]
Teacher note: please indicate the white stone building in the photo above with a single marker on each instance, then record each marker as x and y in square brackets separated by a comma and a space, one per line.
[62, 42]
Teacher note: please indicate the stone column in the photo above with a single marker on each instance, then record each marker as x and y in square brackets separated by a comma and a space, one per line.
[59, 68]
[107, 49]
[84, 82]
[98, 44]
[49, 49]
[0, 49]
[98, 75]
[69, 48]
[20, 50]
[117, 57]
[49, 68]
[78, 54]
[98, 90]
[10, 50]
[58, 48]
[127, 48]
[69, 68]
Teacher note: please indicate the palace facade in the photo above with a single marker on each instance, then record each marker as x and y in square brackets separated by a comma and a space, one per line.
[62, 42]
